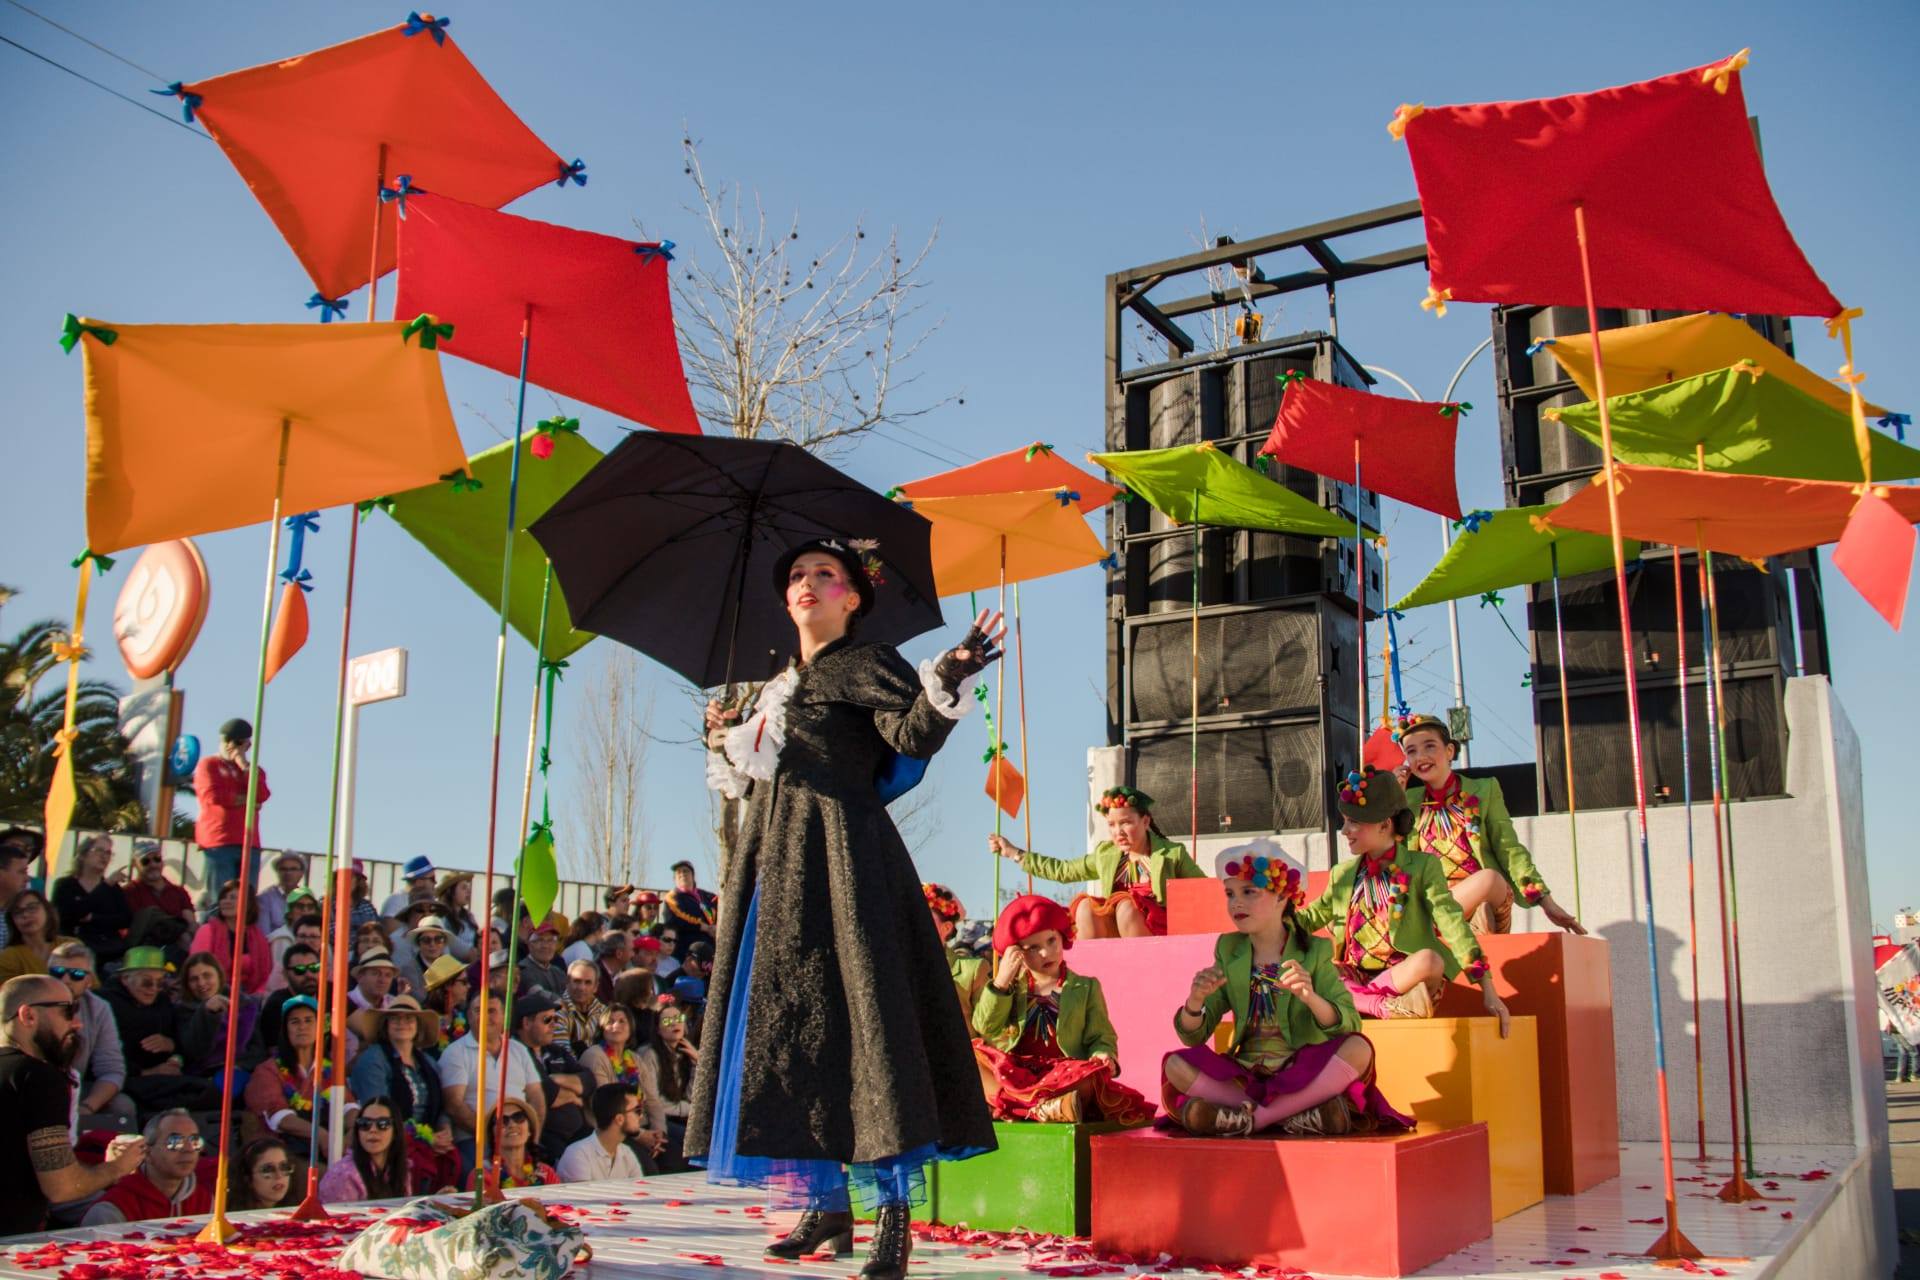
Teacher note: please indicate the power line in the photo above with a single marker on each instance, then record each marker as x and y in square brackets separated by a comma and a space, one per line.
[105, 88]
[154, 75]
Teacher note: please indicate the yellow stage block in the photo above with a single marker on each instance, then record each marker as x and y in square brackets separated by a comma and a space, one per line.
[1449, 1072]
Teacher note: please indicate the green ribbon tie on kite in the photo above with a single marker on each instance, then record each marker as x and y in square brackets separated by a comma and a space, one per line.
[893, 494]
[1456, 410]
[429, 329]
[1290, 377]
[1037, 448]
[1491, 598]
[991, 752]
[557, 423]
[101, 564]
[71, 330]
[464, 481]
[384, 503]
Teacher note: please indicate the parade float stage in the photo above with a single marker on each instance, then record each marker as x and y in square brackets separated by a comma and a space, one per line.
[1817, 1225]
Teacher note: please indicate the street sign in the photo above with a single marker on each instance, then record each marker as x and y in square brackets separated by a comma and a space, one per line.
[377, 677]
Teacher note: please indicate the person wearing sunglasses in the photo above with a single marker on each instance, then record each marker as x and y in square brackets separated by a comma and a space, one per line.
[375, 1164]
[265, 1176]
[299, 976]
[40, 1030]
[152, 1028]
[159, 906]
[170, 1183]
[520, 1163]
[537, 1025]
[301, 925]
[100, 1068]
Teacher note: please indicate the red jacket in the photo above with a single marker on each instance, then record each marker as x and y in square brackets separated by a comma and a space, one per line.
[137, 1199]
[220, 786]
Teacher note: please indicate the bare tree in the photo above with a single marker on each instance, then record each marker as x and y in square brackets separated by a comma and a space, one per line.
[607, 833]
[786, 341]
[1226, 284]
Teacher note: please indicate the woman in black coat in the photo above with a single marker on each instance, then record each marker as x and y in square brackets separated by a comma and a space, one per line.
[832, 1038]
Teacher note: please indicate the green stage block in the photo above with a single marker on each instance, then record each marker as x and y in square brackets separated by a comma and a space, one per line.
[1039, 1180]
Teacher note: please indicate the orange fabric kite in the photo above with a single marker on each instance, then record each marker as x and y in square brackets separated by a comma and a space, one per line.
[318, 137]
[989, 538]
[289, 633]
[1676, 203]
[183, 423]
[1017, 470]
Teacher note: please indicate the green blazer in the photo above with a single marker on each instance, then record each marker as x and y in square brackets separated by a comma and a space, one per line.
[1165, 860]
[1083, 1028]
[1495, 843]
[1234, 953]
[970, 974]
[1429, 917]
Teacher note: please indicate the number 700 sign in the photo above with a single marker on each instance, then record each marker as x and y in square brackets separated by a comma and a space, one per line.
[377, 677]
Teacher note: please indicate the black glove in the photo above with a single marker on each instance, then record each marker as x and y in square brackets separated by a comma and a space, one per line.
[950, 668]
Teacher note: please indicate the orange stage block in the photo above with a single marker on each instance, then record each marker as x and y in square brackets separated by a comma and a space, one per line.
[1378, 1206]
[1200, 906]
[1563, 982]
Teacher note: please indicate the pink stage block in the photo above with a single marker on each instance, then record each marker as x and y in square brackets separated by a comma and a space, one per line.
[1145, 980]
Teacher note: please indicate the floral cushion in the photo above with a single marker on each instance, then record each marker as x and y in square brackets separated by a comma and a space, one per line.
[426, 1240]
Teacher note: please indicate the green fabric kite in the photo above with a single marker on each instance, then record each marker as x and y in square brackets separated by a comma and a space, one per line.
[1750, 424]
[1198, 484]
[1494, 550]
[462, 530]
[539, 874]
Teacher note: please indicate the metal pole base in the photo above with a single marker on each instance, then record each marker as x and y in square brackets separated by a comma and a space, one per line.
[310, 1209]
[219, 1230]
[1673, 1245]
[1738, 1190]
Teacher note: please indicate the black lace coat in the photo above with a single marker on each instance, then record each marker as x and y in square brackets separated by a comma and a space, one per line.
[855, 1048]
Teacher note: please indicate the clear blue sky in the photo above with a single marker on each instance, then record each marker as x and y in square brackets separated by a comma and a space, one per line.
[1052, 144]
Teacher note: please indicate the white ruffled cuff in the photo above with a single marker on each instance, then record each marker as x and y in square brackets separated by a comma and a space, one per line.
[724, 778]
[752, 748]
[952, 706]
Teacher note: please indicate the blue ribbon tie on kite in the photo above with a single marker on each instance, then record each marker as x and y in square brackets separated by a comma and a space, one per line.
[189, 102]
[1472, 521]
[1536, 347]
[576, 171]
[435, 27]
[302, 579]
[1897, 423]
[648, 252]
[330, 308]
[400, 190]
[1110, 561]
[1066, 497]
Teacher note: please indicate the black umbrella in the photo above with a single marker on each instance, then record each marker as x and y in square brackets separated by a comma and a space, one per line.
[668, 545]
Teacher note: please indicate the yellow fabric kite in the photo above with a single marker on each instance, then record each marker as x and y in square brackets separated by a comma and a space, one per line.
[183, 423]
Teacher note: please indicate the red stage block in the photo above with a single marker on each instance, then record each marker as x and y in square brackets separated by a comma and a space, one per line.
[1378, 1206]
[1200, 906]
[1563, 982]
[1144, 980]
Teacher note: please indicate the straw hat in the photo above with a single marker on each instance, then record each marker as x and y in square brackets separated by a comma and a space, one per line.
[365, 1023]
[443, 971]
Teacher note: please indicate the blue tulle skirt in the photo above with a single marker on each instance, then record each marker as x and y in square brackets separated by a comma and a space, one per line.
[799, 1184]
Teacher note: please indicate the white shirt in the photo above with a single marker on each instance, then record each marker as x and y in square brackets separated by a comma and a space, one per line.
[587, 1161]
[459, 1066]
[579, 951]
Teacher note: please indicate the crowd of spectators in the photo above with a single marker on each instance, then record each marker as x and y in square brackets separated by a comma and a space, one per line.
[118, 997]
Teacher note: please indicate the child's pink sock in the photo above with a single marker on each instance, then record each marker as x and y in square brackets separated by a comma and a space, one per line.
[1223, 1092]
[1331, 1082]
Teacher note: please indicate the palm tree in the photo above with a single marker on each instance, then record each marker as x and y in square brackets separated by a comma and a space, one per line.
[33, 701]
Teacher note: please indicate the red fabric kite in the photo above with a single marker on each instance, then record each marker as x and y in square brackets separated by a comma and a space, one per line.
[318, 136]
[1759, 516]
[1679, 215]
[1405, 447]
[601, 311]
[1015, 471]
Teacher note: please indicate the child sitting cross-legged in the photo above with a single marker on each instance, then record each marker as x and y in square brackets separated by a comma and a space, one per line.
[1297, 1061]
[1043, 1041]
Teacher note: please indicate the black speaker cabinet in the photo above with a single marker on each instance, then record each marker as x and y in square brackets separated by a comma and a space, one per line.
[1255, 660]
[1272, 776]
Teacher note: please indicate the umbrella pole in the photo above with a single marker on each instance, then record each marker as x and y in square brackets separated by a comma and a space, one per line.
[998, 745]
[520, 869]
[1193, 694]
[218, 1229]
[310, 1207]
[1386, 642]
[1566, 722]
[1672, 1242]
[488, 1182]
[1360, 586]
[1020, 666]
[1693, 915]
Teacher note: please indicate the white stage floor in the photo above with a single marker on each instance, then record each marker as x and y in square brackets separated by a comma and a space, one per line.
[680, 1227]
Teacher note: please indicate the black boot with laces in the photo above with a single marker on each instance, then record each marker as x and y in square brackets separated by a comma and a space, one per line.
[892, 1242]
[816, 1231]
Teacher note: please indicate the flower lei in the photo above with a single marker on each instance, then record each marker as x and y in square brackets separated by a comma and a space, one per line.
[627, 1067]
[528, 1175]
[302, 1103]
[942, 901]
[422, 1131]
[452, 1027]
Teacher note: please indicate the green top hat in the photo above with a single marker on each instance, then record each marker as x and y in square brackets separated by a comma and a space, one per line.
[1371, 795]
[138, 959]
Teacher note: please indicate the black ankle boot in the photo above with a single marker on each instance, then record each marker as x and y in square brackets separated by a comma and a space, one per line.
[892, 1242]
[815, 1231]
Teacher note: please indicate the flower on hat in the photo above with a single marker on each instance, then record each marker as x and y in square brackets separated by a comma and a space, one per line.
[1276, 875]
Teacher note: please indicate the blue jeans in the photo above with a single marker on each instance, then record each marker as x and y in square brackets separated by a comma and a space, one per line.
[223, 864]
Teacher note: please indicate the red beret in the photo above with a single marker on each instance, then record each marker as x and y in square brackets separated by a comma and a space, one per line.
[646, 942]
[1027, 915]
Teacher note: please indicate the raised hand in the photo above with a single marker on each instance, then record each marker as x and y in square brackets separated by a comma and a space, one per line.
[1296, 980]
[1005, 848]
[1205, 983]
[1012, 964]
[976, 649]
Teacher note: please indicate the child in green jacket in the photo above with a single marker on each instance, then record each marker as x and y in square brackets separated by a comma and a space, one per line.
[1044, 1044]
[1465, 824]
[1132, 867]
[969, 971]
[1388, 909]
[1297, 1060]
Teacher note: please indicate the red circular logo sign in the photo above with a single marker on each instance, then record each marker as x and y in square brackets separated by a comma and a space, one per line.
[159, 612]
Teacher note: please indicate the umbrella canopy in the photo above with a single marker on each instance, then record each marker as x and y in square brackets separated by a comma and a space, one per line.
[183, 423]
[1042, 533]
[1017, 470]
[600, 311]
[1643, 356]
[1197, 484]
[1750, 422]
[1405, 447]
[669, 545]
[1515, 547]
[317, 136]
[461, 526]
[1742, 515]
[1676, 203]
